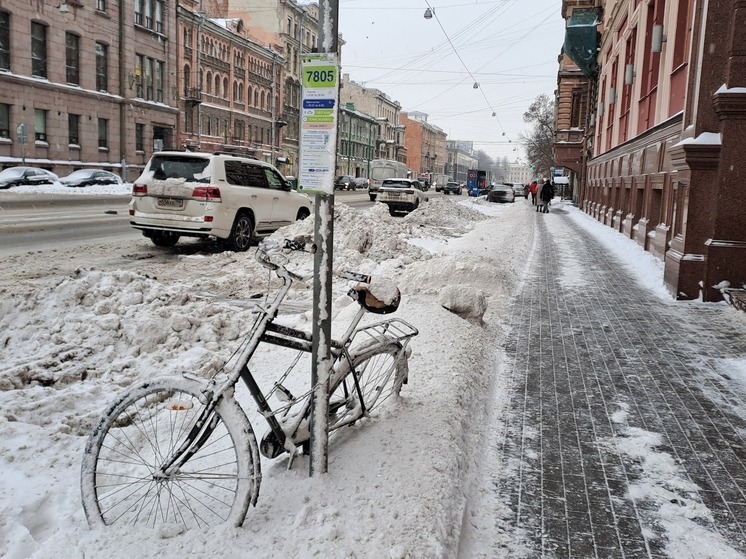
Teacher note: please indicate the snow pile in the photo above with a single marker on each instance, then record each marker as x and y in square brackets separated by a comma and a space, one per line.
[394, 487]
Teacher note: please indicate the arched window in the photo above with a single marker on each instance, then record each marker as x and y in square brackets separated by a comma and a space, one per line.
[225, 88]
[240, 92]
[235, 91]
[209, 82]
[217, 85]
[250, 98]
[256, 98]
[187, 78]
[263, 101]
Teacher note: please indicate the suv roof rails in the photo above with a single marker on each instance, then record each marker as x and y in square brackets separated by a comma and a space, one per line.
[234, 154]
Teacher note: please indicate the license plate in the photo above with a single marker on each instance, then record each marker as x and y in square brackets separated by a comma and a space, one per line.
[394, 194]
[174, 203]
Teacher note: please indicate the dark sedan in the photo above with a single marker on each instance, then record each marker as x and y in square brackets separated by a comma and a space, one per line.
[90, 177]
[20, 176]
[345, 182]
[452, 188]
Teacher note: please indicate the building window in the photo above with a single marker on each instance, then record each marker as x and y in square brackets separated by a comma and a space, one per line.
[139, 63]
[101, 5]
[159, 16]
[4, 41]
[40, 125]
[149, 79]
[159, 81]
[139, 137]
[150, 14]
[4, 120]
[103, 133]
[73, 129]
[72, 58]
[38, 50]
[102, 67]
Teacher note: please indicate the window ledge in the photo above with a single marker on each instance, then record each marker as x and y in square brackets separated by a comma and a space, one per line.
[103, 148]
[6, 141]
[74, 147]
[40, 144]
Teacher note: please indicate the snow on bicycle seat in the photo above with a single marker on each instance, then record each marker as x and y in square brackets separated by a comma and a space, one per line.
[379, 296]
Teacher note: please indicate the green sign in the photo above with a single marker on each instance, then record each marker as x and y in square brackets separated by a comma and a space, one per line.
[319, 77]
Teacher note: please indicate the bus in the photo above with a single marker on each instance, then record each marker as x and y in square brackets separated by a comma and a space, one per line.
[381, 169]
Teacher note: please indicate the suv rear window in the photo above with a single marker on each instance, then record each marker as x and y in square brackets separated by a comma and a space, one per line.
[193, 169]
[396, 184]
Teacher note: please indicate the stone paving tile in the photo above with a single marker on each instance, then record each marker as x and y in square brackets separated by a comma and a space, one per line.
[596, 363]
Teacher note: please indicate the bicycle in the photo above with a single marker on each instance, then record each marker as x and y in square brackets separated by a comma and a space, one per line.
[181, 450]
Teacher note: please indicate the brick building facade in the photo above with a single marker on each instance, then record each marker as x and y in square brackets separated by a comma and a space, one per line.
[89, 91]
[662, 153]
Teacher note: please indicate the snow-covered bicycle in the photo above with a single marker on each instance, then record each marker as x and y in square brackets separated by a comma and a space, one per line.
[181, 450]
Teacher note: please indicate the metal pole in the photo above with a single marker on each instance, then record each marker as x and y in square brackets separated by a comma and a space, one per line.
[322, 285]
[370, 147]
[349, 142]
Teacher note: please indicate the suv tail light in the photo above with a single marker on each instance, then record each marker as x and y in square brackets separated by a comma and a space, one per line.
[139, 189]
[207, 194]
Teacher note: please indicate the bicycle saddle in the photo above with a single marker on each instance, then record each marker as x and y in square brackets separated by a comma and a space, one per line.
[362, 294]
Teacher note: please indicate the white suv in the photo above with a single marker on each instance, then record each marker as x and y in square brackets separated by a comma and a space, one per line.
[200, 195]
[402, 195]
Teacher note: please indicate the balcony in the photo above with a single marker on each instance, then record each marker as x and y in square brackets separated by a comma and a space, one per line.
[193, 96]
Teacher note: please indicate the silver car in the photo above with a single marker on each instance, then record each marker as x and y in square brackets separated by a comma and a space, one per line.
[235, 199]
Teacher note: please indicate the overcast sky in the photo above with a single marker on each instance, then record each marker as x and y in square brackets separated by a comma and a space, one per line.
[508, 47]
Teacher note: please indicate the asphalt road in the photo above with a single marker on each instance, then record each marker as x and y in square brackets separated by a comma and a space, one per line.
[54, 221]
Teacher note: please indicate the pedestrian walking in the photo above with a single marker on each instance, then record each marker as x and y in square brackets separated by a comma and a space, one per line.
[532, 190]
[546, 195]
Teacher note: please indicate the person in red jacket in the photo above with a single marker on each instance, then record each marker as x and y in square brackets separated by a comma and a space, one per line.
[532, 189]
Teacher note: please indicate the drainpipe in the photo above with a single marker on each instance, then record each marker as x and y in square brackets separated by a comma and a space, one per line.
[122, 93]
[273, 104]
[201, 14]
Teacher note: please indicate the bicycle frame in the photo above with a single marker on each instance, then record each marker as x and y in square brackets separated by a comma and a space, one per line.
[265, 330]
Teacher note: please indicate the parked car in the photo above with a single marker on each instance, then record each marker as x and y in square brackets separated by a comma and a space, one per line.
[344, 182]
[402, 195]
[501, 193]
[452, 188]
[361, 182]
[235, 199]
[90, 177]
[25, 176]
[520, 190]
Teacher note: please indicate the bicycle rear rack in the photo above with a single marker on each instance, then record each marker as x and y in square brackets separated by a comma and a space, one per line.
[393, 329]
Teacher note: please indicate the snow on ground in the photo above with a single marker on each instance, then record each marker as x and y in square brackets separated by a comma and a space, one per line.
[395, 485]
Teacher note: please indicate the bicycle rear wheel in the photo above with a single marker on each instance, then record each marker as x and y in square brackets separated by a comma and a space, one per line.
[121, 477]
[380, 369]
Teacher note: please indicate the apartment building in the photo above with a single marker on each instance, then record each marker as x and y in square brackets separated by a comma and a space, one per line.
[230, 86]
[374, 102]
[425, 142]
[292, 29]
[459, 159]
[92, 84]
[662, 153]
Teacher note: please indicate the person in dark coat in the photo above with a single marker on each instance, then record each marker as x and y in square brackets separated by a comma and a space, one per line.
[547, 193]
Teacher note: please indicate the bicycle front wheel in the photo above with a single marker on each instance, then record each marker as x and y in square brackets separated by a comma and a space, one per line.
[122, 479]
[378, 370]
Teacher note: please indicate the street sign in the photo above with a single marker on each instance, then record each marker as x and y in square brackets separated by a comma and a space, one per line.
[318, 126]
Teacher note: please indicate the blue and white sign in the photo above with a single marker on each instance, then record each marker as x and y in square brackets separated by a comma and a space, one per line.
[318, 123]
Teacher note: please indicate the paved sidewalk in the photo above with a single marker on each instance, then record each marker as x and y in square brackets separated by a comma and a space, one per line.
[627, 429]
